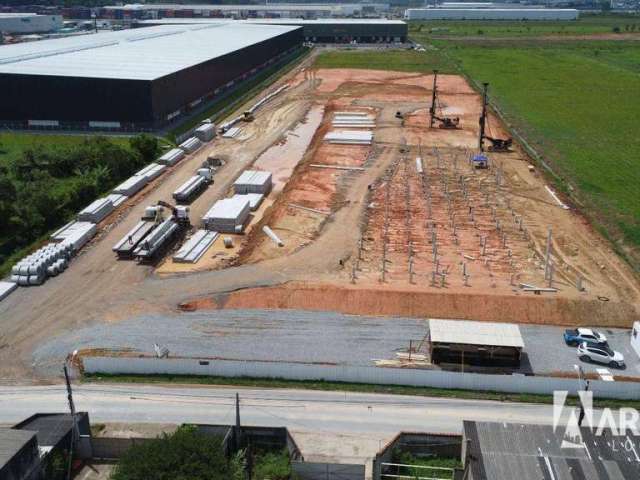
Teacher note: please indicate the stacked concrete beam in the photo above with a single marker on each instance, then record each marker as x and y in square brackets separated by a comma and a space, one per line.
[228, 215]
[171, 157]
[253, 181]
[97, 211]
[196, 246]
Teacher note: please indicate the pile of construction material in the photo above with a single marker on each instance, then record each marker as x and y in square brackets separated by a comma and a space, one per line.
[205, 132]
[97, 211]
[131, 186]
[6, 288]
[190, 145]
[255, 199]
[156, 239]
[195, 247]
[225, 128]
[228, 215]
[350, 137]
[45, 262]
[151, 171]
[193, 186]
[353, 120]
[171, 157]
[127, 245]
[117, 199]
[253, 181]
[75, 234]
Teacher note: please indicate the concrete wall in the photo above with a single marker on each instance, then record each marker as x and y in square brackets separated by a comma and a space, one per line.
[327, 471]
[419, 445]
[371, 375]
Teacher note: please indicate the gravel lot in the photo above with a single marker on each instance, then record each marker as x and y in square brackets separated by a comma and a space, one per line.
[303, 336]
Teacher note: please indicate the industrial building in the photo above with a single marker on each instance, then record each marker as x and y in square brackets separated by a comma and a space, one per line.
[491, 14]
[326, 30]
[133, 79]
[475, 343]
[270, 10]
[504, 451]
[24, 23]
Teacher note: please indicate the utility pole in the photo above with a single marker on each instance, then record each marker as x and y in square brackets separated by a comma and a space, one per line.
[432, 110]
[238, 431]
[72, 408]
[483, 117]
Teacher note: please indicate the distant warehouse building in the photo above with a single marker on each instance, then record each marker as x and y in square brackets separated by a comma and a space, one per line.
[326, 30]
[23, 23]
[491, 14]
[133, 79]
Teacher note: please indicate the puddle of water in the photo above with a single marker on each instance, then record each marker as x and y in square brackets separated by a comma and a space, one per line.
[282, 158]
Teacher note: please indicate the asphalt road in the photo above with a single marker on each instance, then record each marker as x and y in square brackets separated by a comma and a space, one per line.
[334, 426]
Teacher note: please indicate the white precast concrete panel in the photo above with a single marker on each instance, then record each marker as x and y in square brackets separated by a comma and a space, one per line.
[171, 157]
[145, 54]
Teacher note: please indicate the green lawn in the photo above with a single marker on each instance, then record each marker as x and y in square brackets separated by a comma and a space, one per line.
[578, 104]
[585, 25]
[396, 60]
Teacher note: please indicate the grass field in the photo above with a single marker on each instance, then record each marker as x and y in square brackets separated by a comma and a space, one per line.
[585, 25]
[396, 60]
[578, 105]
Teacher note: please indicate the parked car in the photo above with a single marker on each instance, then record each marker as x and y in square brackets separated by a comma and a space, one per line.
[576, 336]
[600, 354]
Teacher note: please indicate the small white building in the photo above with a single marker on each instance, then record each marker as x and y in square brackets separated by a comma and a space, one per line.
[23, 23]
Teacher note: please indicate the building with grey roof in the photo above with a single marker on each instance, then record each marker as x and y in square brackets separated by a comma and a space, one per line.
[133, 79]
[18, 454]
[507, 451]
[321, 30]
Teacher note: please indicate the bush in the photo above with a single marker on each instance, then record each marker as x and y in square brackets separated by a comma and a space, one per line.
[184, 455]
[274, 466]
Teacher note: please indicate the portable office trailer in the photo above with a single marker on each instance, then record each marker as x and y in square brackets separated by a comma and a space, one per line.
[205, 132]
[228, 215]
[475, 343]
[253, 181]
[97, 211]
[171, 157]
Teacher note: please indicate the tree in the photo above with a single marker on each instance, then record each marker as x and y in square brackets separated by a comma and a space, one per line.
[146, 146]
[186, 454]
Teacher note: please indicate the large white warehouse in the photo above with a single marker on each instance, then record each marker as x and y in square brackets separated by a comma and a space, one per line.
[491, 14]
[29, 23]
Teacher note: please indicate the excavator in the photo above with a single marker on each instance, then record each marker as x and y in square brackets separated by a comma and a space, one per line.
[497, 144]
[444, 122]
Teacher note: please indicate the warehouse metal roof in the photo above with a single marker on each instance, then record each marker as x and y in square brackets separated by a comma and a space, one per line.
[504, 451]
[475, 333]
[276, 21]
[139, 54]
[268, 7]
[11, 442]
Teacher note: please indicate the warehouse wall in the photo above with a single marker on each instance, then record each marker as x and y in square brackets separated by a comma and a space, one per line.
[74, 99]
[176, 91]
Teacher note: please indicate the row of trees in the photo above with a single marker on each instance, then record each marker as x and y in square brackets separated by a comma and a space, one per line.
[43, 187]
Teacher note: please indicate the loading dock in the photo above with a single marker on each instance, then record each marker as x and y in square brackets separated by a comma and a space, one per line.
[475, 343]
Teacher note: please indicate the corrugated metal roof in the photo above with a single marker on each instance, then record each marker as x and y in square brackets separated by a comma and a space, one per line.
[11, 441]
[475, 333]
[276, 21]
[142, 54]
[269, 7]
[507, 451]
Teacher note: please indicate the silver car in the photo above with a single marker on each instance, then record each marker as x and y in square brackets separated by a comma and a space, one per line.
[600, 354]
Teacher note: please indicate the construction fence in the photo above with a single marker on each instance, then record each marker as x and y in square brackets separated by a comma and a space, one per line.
[327, 471]
[353, 374]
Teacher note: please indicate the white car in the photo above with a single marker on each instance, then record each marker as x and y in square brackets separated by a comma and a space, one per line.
[600, 354]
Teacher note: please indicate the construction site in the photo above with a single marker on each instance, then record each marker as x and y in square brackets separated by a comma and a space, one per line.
[361, 192]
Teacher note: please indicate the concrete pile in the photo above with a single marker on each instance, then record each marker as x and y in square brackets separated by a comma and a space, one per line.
[353, 120]
[75, 234]
[350, 137]
[196, 246]
[97, 211]
[45, 262]
[171, 157]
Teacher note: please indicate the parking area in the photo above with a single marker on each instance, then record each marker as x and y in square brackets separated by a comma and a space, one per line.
[314, 337]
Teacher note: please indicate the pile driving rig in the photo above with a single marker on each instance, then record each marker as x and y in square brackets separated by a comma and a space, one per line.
[445, 122]
[497, 144]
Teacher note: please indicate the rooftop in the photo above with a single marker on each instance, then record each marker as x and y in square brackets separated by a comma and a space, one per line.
[504, 451]
[475, 333]
[144, 54]
[276, 21]
[269, 7]
[49, 427]
[11, 442]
